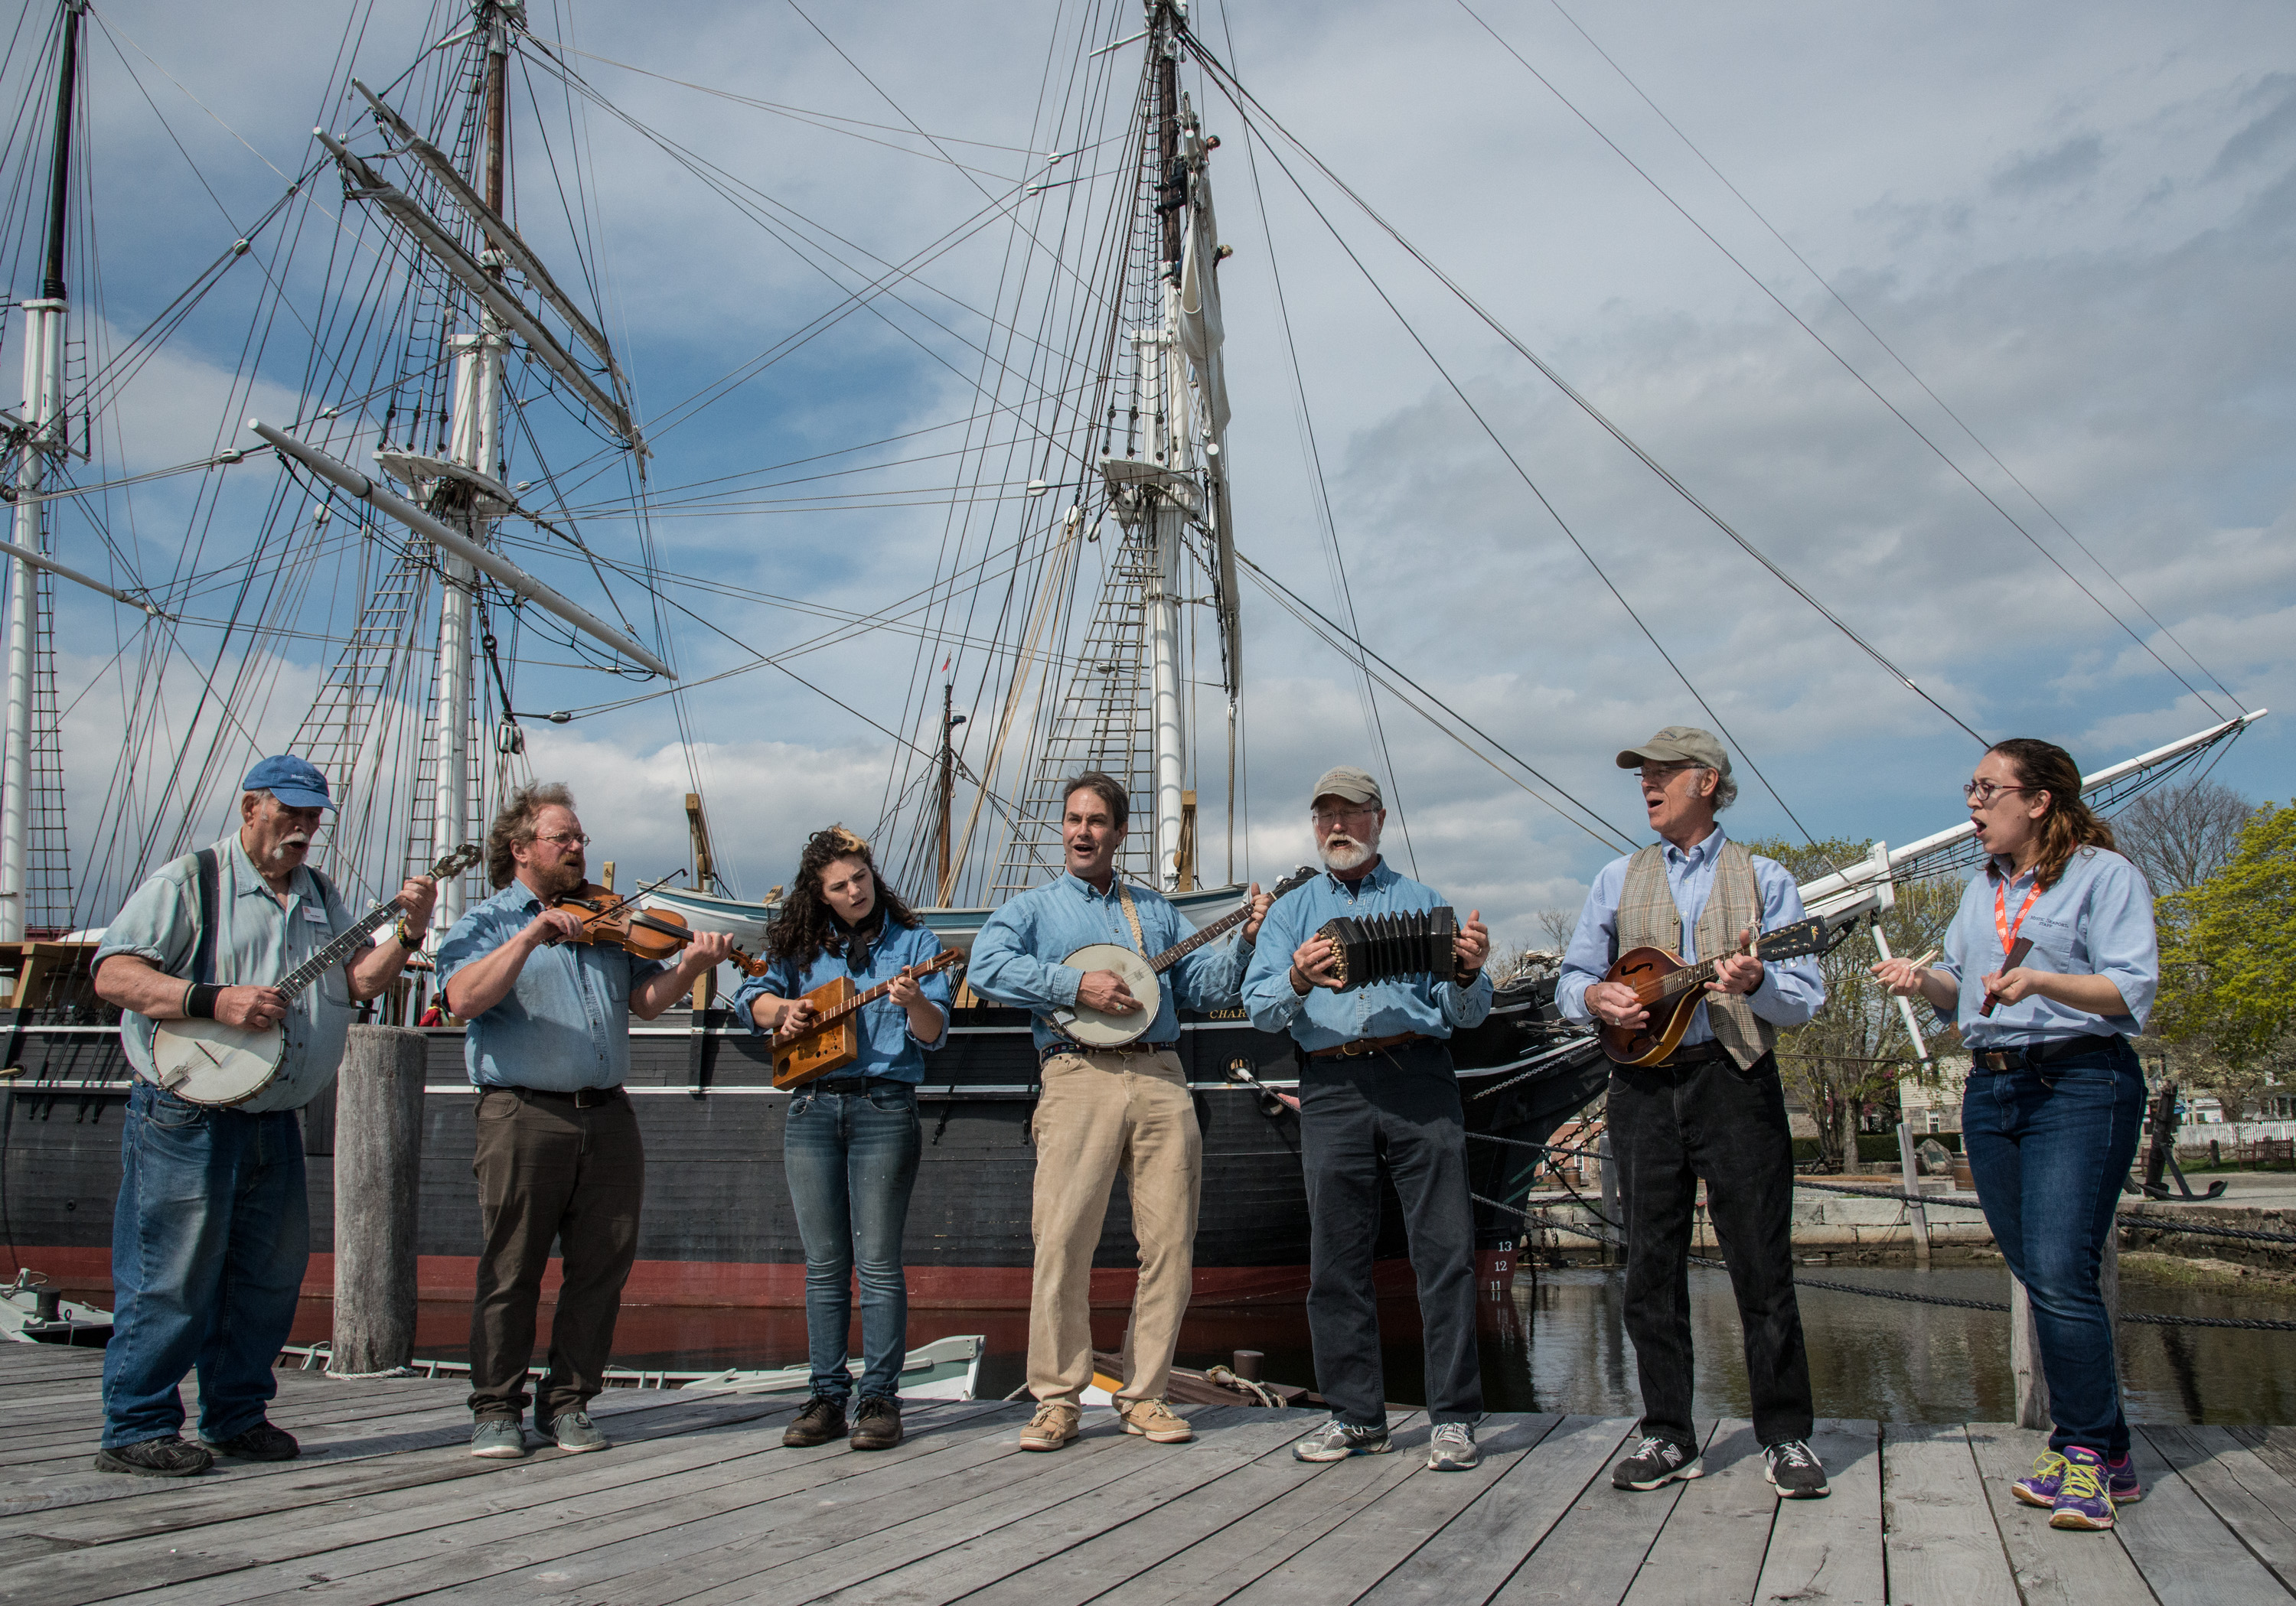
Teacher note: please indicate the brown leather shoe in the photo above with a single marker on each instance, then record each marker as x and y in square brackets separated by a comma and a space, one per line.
[1154, 1421]
[1053, 1426]
[821, 1421]
[876, 1424]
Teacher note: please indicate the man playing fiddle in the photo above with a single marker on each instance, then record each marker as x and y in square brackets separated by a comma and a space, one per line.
[558, 1157]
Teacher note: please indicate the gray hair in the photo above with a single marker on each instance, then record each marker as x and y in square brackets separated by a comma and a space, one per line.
[1726, 789]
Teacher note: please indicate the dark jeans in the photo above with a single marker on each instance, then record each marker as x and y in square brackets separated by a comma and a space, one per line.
[1396, 1110]
[2049, 1146]
[852, 1159]
[547, 1171]
[1669, 1126]
[210, 1239]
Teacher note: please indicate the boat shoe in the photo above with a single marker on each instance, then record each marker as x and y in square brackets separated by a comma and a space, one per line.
[2082, 1502]
[498, 1438]
[2047, 1481]
[574, 1432]
[1153, 1421]
[1053, 1426]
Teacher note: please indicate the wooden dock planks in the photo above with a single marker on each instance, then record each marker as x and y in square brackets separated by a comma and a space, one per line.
[697, 1502]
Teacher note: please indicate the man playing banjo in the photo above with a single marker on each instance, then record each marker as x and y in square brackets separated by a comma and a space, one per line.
[209, 1236]
[1127, 1108]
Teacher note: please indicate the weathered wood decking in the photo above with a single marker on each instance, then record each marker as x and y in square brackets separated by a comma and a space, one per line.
[697, 1502]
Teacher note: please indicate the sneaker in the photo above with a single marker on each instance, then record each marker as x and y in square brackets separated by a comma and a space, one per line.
[576, 1434]
[498, 1438]
[1153, 1421]
[822, 1420]
[168, 1457]
[1452, 1449]
[1656, 1463]
[877, 1424]
[1337, 1440]
[261, 1442]
[2047, 1481]
[1053, 1426]
[1795, 1472]
[2082, 1502]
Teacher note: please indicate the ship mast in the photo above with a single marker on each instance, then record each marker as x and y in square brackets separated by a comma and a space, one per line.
[41, 432]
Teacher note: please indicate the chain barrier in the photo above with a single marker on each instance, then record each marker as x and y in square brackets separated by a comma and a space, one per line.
[2248, 1323]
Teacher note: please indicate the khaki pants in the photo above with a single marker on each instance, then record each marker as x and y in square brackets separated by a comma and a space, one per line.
[1102, 1113]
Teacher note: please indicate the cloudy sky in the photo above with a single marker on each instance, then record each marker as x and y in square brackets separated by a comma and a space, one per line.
[2076, 237]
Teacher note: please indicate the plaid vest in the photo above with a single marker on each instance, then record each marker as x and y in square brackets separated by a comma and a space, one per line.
[1648, 919]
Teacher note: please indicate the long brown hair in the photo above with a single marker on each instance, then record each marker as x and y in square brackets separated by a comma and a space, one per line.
[806, 928]
[2071, 824]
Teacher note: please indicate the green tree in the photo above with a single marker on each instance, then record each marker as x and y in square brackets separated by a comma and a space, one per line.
[2228, 952]
[1853, 1050]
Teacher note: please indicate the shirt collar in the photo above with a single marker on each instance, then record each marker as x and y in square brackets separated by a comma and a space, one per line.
[1701, 852]
[1373, 879]
[250, 877]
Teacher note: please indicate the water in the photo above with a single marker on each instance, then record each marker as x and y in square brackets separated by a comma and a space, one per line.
[1560, 1344]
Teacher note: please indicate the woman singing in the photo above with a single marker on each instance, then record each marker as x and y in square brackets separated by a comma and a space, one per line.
[2055, 1094]
[851, 1142]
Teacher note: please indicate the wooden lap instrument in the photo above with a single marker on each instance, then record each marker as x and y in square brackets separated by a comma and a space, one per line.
[833, 1040]
[208, 1063]
[1098, 1029]
[1672, 991]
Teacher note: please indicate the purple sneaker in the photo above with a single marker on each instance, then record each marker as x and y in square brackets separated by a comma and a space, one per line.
[2082, 1502]
[2042, 1488]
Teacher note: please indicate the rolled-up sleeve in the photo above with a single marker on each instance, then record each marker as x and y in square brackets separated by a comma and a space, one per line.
[1003, 968]
[922, 947]
[2123, 946]
[776, 982]
[160, 922]
[1464, 1006]
[1587, 959]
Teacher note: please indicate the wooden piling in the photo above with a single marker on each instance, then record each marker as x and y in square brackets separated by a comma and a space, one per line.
[1917, 1213]
[378, 1173]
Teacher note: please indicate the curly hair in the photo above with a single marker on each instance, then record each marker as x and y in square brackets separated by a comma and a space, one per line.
[806, 929]
[515, 825]
[2071, 824]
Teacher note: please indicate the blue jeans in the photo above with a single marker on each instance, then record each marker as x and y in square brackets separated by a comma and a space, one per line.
[2049, 1146]
[210, 1239]
[851, 1157]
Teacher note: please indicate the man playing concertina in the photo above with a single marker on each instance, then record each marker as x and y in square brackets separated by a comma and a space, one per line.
[1127, 1108]
[210, 1234]
[548, 1048]
[1377, 1093]
[1711, 1109]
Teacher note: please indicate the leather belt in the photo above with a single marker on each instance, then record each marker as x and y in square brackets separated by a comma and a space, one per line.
[1083, 1053]
[1367, 1046]
[581, 1098]
[1697, 1053]
[2042, 1054]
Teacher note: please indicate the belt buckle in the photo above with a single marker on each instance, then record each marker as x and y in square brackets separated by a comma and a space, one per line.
[1356, 1050]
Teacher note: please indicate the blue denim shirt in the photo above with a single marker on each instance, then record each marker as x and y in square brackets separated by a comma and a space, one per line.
[1791, 989]
[565, 1024]
[1435, 1005]
[888, 1047]
[260, 942]
[2096, 920]
[1016, 959]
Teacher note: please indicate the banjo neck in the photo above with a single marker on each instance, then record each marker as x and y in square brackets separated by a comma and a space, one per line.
[327, 958]
[1219, 928]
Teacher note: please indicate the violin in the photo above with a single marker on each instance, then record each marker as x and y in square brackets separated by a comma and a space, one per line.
[657, 934]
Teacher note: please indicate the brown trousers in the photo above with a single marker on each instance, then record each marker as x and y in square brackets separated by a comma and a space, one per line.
[1102, 1113]
[547, 1171]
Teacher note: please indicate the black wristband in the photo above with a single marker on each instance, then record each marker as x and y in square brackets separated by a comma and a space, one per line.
[200, 1003]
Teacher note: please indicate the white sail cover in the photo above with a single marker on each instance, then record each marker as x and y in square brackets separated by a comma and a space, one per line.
[1200, 334]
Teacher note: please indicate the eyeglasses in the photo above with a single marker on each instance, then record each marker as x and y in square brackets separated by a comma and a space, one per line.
[566, 838]
[1659, 774]
[1333, 817]
[1983, 792]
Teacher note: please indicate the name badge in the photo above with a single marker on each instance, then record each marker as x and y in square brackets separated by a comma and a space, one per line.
[315, 915]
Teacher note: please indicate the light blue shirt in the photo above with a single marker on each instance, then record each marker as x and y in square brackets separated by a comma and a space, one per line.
[1433, 1005]
[2096, 920]
[881, 1031]
[565, 1023]
[1791, 989]
[258, 940]
[1016, 959]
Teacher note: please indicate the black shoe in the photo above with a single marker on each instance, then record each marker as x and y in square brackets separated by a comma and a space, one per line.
[1656, 1463]
[261, 1442]
[1794, 1472]
[822, 1420]
[877, 1424]
[168, 1457]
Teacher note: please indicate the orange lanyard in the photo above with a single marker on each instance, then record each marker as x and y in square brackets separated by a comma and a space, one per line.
[2002, 924]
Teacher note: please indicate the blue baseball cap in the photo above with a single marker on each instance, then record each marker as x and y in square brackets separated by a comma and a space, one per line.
[294, 782]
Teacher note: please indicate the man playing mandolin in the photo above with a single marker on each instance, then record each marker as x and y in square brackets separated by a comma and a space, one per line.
[210, 1234]
[1712, 1109]
[1127, 1108]
[548, 1048]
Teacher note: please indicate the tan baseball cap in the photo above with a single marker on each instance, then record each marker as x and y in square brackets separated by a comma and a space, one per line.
[1346, 780]
[1679, 744]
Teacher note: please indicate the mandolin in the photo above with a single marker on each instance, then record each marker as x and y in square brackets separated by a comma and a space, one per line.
[1672, 991]
[833, 1040]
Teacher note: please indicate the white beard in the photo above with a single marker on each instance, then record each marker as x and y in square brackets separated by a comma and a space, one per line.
[1343, 854]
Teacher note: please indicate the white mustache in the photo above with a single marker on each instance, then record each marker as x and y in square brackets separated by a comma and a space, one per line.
[293, 840]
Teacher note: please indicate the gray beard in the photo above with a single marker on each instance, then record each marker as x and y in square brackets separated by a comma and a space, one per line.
[1341, 853]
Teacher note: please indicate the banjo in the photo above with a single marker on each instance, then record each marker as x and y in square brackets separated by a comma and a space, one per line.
[208, 1063]
[1097, 1028]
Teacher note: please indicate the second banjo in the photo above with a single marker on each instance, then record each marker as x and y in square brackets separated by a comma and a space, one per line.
[1097, 1028]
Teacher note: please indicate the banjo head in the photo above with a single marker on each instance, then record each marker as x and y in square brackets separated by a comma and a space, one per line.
[207, 1062]
[1096, 1029]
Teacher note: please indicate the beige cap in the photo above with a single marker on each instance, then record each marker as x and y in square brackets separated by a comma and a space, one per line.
[1679, 744]
[1346, 780]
